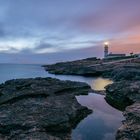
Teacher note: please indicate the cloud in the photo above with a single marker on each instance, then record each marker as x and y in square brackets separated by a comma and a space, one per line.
[8, 49]
[44, 46]
[116, 17]
[1, 33]
[43, 27]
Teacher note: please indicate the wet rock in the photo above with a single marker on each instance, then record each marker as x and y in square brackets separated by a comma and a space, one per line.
[124, 91]
[126, 95]
[40, 108]
[86, 67]
[125, 73]
[117, 71]
[117, 95]
[123, 94]
[130, 129]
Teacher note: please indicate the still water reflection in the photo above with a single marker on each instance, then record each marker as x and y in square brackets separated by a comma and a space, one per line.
[100, 125]
[103, 123]
[100, 83]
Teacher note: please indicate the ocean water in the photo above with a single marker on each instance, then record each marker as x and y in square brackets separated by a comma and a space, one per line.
[102, 124]
[15, 71]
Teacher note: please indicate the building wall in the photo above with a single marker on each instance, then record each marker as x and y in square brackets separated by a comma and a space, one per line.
[115, 55]
[106, 51]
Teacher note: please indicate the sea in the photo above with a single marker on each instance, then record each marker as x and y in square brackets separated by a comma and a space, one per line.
[102, 124]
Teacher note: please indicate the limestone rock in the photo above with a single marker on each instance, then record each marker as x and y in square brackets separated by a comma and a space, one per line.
[40, 108]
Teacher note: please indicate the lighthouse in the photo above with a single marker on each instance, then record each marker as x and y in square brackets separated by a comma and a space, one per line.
[106, 49]
[108, 55]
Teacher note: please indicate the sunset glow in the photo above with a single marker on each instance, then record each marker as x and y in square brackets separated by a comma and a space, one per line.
[106, 43]
[68, 30]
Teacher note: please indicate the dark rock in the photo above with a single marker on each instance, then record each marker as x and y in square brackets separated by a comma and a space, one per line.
[117, 95]
[80, 67]
[125, 74]
[126, 95]
[130, 129]
[36, 108]
[124, 90]
[87, 67]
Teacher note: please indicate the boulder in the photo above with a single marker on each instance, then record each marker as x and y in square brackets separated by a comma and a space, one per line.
[40, 108]
[130, 129]
[125, 95]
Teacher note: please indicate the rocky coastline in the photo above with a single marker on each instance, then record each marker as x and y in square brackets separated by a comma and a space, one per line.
[123, 94]
[46, 108]
[40, 108]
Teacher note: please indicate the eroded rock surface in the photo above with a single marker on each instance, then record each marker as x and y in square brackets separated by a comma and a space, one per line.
[130, 129]
[126, 95]
[40, 108]
[123, 94]
[86, 67]
[121, 70]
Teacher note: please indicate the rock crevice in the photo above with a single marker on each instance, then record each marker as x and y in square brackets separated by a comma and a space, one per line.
[42, 106]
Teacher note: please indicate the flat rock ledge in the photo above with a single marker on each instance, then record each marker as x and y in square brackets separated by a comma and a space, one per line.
[40, 108]
[125, 95]
[92, 67]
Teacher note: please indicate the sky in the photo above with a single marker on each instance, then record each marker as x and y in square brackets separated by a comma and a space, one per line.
[48, 31]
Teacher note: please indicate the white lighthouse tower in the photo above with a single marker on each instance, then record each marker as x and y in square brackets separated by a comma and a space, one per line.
[106, 46]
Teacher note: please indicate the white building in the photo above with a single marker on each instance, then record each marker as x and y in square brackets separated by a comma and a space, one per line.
[106, 49]
[110, 55]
